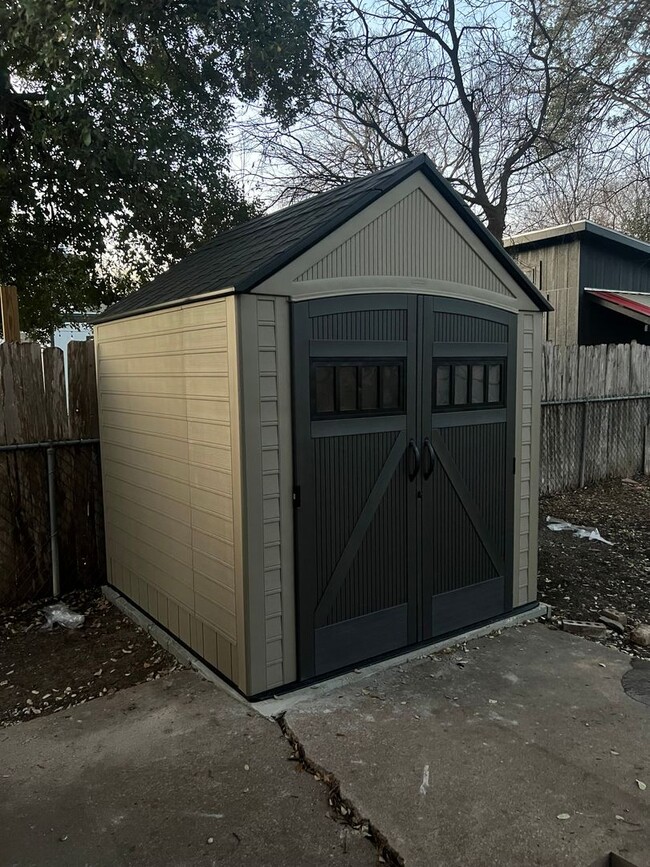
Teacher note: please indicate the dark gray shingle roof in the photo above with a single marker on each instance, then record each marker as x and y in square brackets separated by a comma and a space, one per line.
[244, 256]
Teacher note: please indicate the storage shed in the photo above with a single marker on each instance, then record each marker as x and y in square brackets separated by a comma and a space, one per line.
[320, 433]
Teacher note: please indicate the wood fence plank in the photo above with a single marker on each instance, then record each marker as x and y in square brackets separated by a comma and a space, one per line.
[55, 393]
[82, 390]
[9, 313]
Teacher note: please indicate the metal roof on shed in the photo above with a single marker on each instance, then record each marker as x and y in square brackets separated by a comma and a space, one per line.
[242, 257]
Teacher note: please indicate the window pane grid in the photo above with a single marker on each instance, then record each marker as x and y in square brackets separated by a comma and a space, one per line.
[468, 384]
[351, 387]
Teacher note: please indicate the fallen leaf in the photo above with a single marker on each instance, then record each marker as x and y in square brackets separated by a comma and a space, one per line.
[641, 785]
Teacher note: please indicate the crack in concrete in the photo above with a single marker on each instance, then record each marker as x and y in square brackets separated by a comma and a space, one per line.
[387, 853]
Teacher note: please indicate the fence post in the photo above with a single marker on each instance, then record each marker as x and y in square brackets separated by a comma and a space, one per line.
[54, 530]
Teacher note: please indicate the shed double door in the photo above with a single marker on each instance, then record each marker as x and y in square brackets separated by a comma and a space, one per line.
[403, 466]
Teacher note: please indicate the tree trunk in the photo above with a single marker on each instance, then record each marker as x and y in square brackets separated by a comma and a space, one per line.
[496, 221]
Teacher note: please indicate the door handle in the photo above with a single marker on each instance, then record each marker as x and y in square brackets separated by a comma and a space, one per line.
[428, 449]
[415, 451]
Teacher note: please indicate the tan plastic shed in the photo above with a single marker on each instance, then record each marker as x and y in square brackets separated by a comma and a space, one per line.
[320, 431]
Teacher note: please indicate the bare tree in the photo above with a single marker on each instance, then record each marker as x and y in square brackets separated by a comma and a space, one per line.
[494, 92]
[610, 186]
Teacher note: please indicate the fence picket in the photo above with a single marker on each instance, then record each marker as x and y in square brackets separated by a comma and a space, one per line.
[55, 393]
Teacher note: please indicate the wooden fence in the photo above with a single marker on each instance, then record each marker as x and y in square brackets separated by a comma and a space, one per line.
[595, 414]
[40, 405]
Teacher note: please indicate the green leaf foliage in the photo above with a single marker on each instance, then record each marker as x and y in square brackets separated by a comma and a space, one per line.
[113, 134]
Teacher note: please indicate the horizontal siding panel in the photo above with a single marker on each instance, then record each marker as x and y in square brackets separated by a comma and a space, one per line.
[206, 362]
[216, 616]
[148, 404]
[210, 522]
[150, 344]
[175, 468]
[212, 337]
[173, 428]
[156, 443]
[153, 365]
[153, 500]
[213, 570]
[204, 455]
[209, 433]
[204, 315]
[213, 546]
[170, 526]
[177, 564]
[217, 481]
[215, 385]
[222, 596]
[208, 409]
[173, 489]
[171, 546]
[140, 386]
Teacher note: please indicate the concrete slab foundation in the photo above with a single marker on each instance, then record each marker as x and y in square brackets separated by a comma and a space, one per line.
[518, 749]
[168, 772]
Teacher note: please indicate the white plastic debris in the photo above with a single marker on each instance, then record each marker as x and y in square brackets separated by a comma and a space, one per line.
[591, 533]
[64, 616]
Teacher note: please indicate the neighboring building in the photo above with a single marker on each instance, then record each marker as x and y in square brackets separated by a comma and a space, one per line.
[597, 280]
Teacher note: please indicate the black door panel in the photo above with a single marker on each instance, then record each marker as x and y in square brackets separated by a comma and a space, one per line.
[355, 398]
[403, 446]
[467, 405]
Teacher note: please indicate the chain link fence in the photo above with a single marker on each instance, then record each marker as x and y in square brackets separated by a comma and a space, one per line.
[590, 439]
[51, 519]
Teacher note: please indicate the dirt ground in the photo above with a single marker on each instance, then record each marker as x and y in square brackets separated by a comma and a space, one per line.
[579, 577]
[44, 672]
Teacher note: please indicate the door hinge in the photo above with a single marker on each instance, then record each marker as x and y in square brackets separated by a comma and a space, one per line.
[296, 497]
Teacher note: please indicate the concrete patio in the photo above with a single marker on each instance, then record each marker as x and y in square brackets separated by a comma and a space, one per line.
[171, 772]
[524, 750]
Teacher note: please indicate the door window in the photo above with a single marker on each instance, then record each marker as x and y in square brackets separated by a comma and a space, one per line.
[351, 387]
[468, 384]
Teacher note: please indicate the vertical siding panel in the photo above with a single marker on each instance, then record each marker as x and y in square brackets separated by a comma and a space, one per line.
[413, 238]
[225, 657]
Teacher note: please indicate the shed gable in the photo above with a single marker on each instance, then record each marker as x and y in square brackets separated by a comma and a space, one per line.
[412, 238]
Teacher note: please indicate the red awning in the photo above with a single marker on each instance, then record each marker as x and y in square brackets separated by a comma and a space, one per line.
[635, 305]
